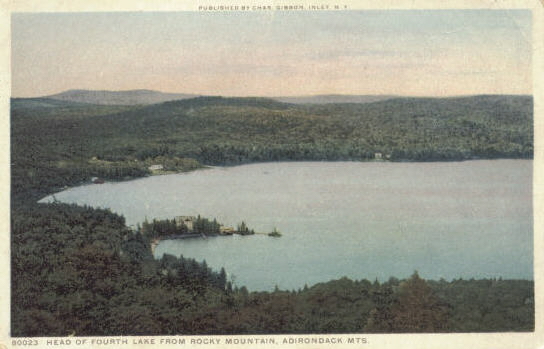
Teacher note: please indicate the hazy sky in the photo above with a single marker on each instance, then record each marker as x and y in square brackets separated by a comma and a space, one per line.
[274, 53]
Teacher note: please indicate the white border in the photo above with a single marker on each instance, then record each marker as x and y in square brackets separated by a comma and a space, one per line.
[454, 341]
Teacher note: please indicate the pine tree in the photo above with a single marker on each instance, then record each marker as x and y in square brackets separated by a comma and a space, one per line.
[222, 279]
[418, 309]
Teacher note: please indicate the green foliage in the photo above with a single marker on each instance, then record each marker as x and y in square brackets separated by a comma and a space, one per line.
[54, 141]
[206, 226]
[169, 228]
[346, 306]
[84, 273]
[274, 233]
[413, 308]
[80, 271]
[160, 228]
[244, 230]
[488, 305]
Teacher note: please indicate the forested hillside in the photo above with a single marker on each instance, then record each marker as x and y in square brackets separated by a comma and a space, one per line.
[57, 143]
[81, 271]
[235, 130]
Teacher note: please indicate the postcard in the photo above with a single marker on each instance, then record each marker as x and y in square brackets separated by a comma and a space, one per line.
[272, 174]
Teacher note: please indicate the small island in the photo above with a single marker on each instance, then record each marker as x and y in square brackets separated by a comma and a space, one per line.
[275, 233]
[185, 227]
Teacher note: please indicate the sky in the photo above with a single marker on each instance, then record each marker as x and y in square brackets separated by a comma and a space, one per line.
[275, 53]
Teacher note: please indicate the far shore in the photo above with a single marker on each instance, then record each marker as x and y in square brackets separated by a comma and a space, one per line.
[210, 167]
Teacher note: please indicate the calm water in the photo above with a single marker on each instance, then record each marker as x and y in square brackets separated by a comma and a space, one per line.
[356, 219]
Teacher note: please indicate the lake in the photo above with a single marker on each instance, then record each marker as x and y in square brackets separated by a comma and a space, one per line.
[370, 220]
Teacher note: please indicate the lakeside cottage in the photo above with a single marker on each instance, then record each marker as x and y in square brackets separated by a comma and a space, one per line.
[227, 230]
[97, 180]
[156, 167]
[187, 220]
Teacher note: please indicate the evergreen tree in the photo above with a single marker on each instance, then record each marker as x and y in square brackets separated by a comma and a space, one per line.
[417, 308]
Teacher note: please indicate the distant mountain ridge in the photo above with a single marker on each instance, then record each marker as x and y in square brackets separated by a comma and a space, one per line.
[150, 97]
[129, 97]
[145, 97]
[335, 98]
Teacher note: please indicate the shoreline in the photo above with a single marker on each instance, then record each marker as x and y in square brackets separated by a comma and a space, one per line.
[156, 241]
[211, 167]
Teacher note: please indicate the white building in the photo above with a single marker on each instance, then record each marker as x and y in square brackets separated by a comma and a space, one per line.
[156, 167]
[187, 220]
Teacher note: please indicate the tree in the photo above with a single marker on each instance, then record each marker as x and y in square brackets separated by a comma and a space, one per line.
[222, 279]
[417, 308]
[380, 318]
[412, 308]
[244, 230]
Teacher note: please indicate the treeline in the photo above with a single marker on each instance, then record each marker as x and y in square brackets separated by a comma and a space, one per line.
[170, 228]
[160, 228]
[81, 271]
[194, 276]
[423, 129]
[243, 229]
[231, 154]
